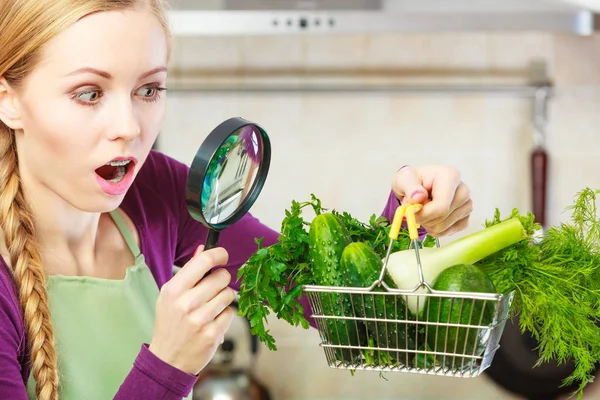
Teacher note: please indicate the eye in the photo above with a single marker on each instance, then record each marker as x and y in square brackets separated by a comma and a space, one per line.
[150, 93]
[147, 91]
[89, 96]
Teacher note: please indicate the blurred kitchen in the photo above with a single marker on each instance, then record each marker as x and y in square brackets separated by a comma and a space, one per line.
[351, 90]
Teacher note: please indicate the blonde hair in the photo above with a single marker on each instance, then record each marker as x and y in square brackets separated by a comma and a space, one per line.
[25, 26]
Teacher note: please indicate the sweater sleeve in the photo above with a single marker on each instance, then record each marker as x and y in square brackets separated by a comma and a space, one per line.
[152, 378]
[12, 342]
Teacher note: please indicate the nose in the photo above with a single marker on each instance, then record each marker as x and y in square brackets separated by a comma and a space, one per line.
[126, 124]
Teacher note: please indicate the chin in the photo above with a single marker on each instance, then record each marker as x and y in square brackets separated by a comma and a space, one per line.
[97, 203]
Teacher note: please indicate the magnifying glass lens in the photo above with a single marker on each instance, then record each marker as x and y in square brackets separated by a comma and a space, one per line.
[231, 174]
[227, 174]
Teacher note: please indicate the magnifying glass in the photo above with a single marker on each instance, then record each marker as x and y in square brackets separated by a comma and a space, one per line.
[227, 175]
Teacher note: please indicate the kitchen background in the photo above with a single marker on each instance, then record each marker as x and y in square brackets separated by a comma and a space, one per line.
[345, 146]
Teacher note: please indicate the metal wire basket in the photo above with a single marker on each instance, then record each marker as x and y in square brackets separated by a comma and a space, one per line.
[457, 333]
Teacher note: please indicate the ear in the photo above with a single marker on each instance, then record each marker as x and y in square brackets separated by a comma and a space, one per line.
[9, 113]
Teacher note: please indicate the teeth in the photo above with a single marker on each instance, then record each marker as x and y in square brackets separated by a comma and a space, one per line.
[121, 171]
[119, 163]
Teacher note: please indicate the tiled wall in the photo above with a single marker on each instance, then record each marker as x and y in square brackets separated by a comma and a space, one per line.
[346, 147]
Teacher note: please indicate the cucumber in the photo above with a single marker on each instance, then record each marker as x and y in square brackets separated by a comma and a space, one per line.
[361, 267]
[327, 239]
[468, 341]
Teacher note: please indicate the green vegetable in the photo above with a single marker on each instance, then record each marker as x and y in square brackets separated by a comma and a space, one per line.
[425, 360]
[403, 268]
[361, 267]
[557, 286]
[327, 240]
[271, 279]
[448, 310]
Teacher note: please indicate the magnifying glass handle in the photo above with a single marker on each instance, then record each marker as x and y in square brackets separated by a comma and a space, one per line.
[211, 239]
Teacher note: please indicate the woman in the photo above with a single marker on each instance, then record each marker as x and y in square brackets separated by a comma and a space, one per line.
[92, 220]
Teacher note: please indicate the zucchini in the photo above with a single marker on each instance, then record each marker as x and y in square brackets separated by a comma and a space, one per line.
[361, 267]
[468, 341]
[327, 239]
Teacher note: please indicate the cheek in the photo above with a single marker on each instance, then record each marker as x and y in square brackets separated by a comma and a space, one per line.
[151, 118]
[53, 128]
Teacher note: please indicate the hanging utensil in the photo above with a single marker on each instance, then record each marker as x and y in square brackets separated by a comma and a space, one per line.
[539, 159]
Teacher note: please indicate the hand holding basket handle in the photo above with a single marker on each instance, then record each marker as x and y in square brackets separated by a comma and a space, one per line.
[449, 205]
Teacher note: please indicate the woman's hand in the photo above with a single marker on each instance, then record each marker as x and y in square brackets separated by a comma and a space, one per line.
[193, 313]
[448, 200]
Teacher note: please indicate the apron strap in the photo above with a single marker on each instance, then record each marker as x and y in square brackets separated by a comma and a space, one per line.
[126, 232]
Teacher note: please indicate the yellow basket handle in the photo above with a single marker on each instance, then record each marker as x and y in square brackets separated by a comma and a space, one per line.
[409, 211]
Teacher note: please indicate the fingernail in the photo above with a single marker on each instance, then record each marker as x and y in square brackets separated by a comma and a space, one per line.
[198, 249]
[416, 193]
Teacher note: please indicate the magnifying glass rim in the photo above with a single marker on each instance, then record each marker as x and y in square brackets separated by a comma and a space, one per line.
[200, 164]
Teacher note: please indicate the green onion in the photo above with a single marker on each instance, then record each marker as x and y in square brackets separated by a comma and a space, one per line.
[402, 265]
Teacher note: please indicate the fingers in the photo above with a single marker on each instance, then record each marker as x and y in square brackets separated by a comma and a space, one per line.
[458, 226]
[444, 189]
[213, 310]
[196, 268]
[446, 199]
[217, 328]
[439, 209]
[223, 320]
[206, 290]
[407, 186]
[456, 221]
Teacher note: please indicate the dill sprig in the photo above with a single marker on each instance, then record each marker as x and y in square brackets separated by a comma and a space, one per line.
[557, 286]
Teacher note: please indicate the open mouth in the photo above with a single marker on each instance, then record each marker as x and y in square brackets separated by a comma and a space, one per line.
[115, 171]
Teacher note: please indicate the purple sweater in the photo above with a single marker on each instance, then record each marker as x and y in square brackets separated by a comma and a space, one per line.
[168, 236]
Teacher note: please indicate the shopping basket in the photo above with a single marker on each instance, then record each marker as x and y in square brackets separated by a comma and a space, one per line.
[373, 328]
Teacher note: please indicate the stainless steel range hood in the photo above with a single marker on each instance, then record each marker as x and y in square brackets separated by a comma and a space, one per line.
[276, 17]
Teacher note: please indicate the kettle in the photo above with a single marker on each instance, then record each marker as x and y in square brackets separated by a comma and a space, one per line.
[230, 374]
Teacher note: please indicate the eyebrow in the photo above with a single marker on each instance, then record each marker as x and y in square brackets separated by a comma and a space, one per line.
[107, 75]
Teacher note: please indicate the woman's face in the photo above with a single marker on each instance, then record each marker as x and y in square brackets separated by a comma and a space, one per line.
[95, 98]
